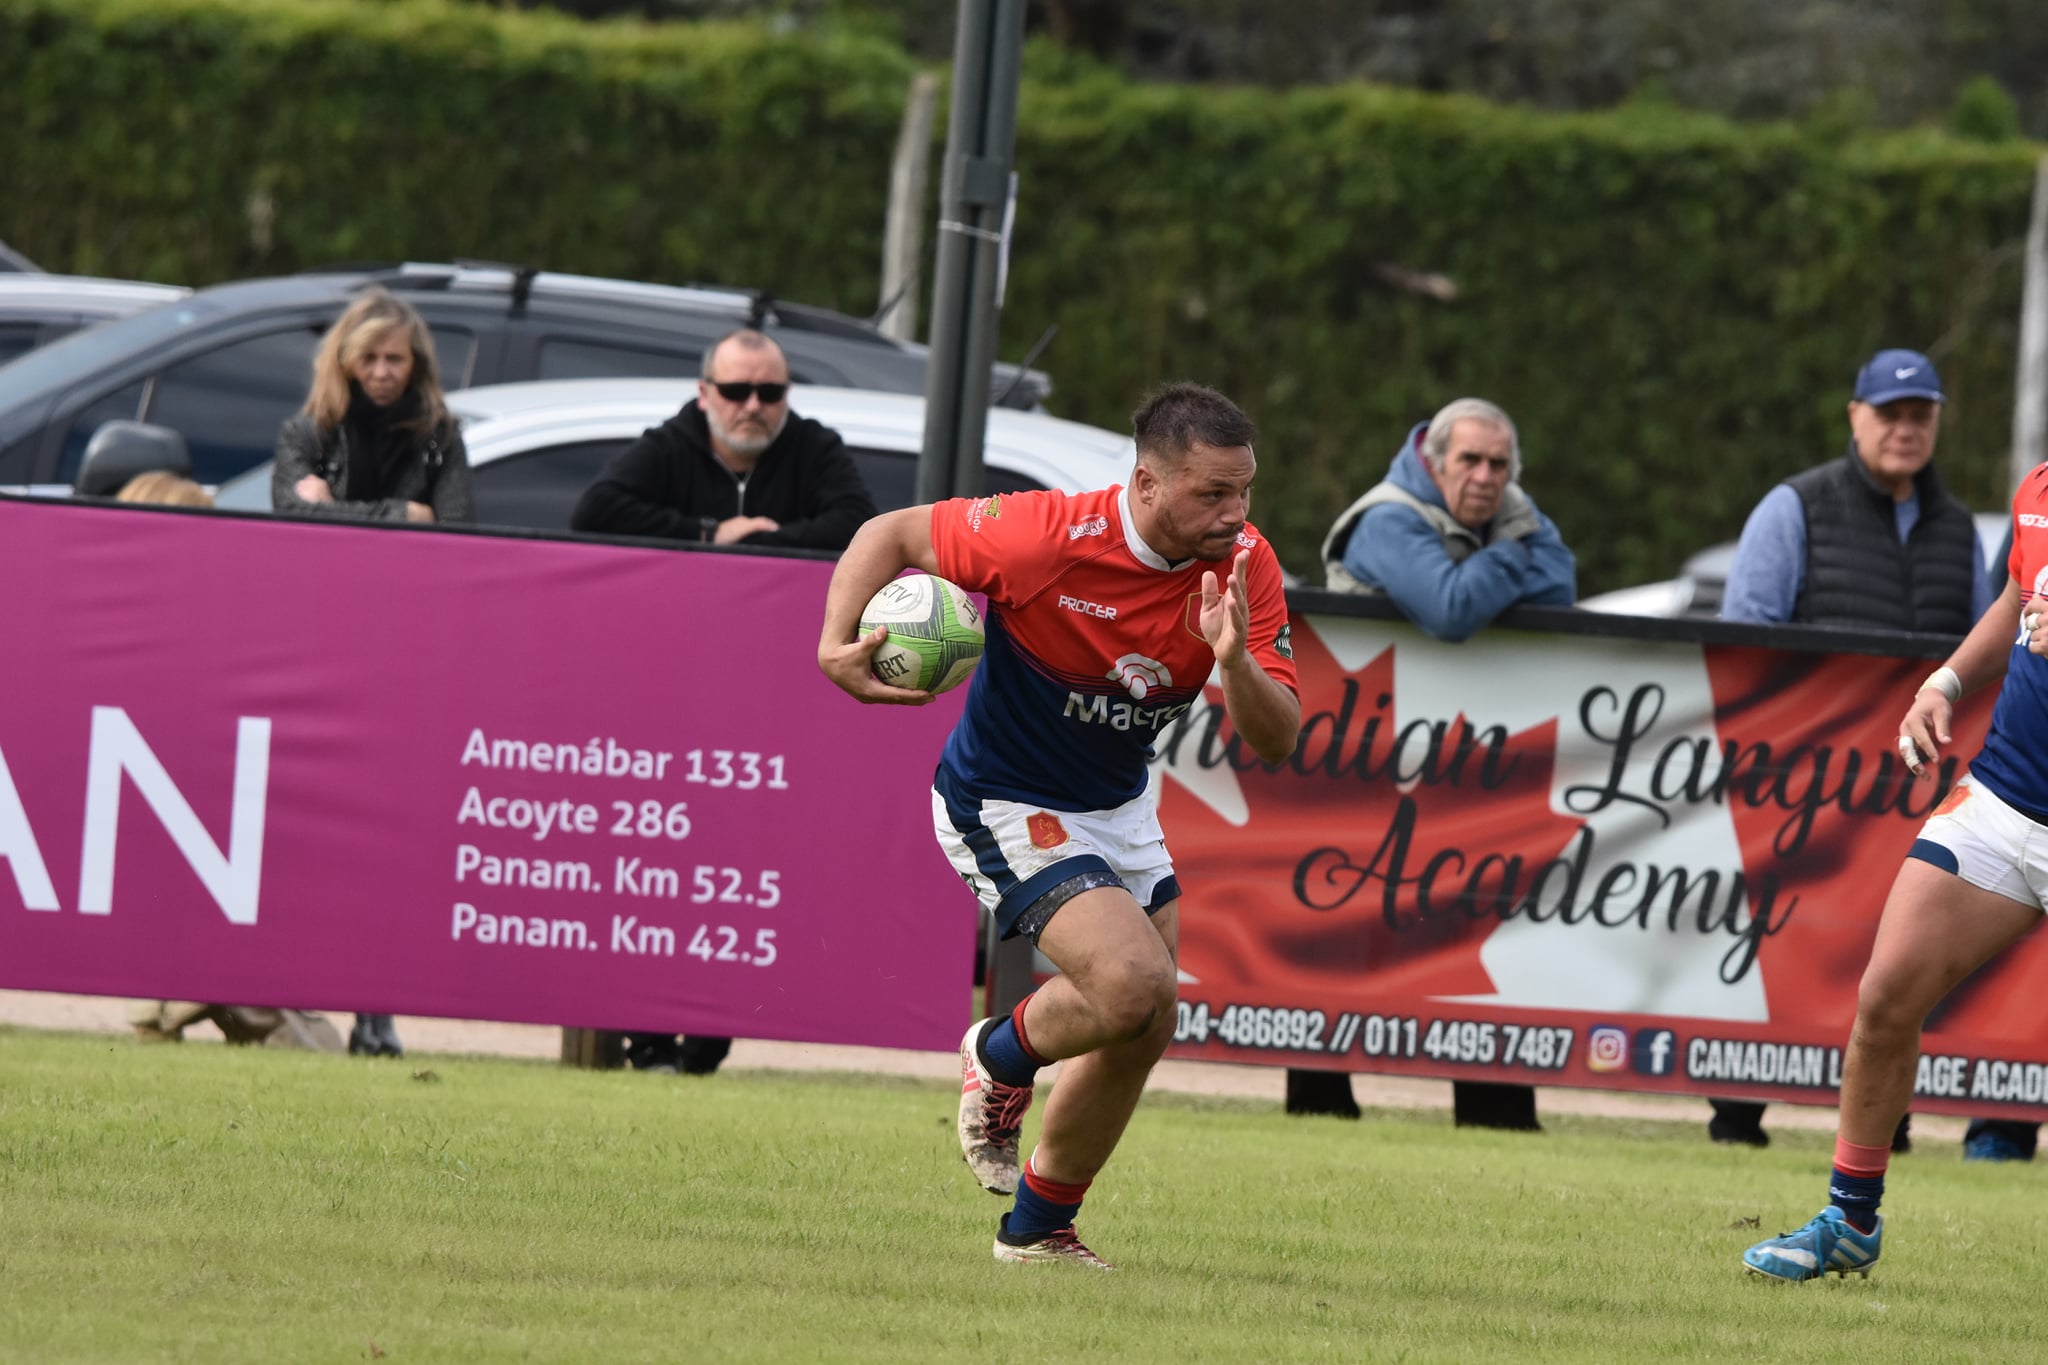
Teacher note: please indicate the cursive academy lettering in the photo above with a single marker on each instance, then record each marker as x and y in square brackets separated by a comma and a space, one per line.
[1502, 887]
[1803, 780]
[1336, 743]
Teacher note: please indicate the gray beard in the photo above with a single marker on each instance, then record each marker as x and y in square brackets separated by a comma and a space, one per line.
[747, 447]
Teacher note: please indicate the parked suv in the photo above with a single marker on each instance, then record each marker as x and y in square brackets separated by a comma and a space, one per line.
[37, 309]
[228, 364]
[534, 448]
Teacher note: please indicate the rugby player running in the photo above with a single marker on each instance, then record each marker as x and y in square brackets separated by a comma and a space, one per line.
[1107, 612]
[1973, 882]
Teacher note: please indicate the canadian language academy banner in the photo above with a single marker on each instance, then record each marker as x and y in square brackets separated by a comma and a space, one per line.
[338, 767]
[1572, 861]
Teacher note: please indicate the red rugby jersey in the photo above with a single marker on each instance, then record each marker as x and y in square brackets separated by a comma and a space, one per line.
[1094, 644]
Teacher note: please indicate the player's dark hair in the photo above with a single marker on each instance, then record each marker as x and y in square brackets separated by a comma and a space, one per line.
[1173, 419]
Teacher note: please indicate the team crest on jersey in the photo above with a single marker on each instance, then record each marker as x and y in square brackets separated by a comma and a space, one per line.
[1953, 802]
[1046, 830]
[1138, 675]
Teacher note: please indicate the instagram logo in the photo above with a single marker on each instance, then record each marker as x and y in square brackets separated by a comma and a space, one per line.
[1606, 1048]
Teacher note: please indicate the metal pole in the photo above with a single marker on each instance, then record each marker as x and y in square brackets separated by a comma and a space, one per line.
[980, 139]
[981, 132]
[2030, 384]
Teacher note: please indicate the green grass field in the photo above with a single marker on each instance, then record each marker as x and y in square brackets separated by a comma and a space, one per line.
[219, 1204]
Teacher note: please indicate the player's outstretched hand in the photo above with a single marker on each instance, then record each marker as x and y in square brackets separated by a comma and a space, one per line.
[1227, 611]
[851, 667]
[1925, 730]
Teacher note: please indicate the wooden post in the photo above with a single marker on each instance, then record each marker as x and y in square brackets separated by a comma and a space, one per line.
[903, 229]
[599, 1049]
[2030, 383]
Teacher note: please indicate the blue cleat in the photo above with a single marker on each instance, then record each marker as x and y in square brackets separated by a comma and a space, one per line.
[1828, 1243]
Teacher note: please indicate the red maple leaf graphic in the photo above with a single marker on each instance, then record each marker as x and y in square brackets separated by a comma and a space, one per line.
[1377, 860]
[1832, 815]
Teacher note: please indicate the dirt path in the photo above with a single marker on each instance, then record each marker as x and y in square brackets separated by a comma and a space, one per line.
[103, 1014]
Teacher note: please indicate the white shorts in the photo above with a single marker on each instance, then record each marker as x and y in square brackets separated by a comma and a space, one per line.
[1987, 843]
[1013, 855]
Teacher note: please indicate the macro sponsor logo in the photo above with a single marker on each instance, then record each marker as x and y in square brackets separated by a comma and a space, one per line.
[1087, 608]
[1653, 1052]
[1094, 526]
[1606, 1048]
[1138, 675]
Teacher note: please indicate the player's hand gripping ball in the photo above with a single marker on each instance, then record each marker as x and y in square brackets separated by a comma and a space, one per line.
[935, 633]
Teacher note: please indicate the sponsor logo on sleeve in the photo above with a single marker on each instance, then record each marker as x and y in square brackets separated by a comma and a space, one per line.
[1283, 643]
[1094, 526]
[977, 508]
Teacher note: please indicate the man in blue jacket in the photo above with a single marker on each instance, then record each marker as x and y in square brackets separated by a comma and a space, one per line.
[1449, 534]
[1451, 537]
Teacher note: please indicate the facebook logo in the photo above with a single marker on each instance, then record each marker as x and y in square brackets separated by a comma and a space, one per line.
[1653, 1051]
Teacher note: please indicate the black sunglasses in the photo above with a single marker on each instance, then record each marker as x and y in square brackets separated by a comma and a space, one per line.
[771, 394]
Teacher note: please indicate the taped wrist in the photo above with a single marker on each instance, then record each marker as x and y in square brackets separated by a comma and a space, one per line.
[1944, 681]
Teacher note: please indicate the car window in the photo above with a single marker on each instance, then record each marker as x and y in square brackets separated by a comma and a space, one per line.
[563, 358]
[455, 353]
[230, 402]
[891, 477]
[539, 489]
[120, 405]
[17, 339]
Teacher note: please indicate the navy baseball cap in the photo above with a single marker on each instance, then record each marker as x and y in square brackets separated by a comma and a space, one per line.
[1892, 375]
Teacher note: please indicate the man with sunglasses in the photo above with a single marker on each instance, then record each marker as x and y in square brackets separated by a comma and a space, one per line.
[735, 466]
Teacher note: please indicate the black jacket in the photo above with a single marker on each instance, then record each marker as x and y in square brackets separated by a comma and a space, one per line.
[434, 470]
[669, 485]
[1857, 571]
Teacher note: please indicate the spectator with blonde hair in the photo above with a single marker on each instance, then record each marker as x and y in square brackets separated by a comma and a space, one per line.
[374, 441]
[164, 488]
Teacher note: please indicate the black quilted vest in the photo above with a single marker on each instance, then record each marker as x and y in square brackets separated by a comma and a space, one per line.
[1857, 571]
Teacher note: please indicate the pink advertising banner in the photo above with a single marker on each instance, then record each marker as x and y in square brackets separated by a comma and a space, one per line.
[341, 767]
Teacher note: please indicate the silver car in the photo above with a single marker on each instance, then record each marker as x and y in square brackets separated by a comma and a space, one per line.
[535, 447]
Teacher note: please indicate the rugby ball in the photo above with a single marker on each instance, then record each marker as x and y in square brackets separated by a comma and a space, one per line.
[935, 633]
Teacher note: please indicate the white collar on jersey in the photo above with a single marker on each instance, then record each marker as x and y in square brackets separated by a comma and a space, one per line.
[1146, 555]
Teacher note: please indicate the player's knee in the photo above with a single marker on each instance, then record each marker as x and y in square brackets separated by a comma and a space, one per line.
[1142, 997]
[1886, 1009]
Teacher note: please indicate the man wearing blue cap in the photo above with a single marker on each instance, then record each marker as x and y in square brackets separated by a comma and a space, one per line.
[1873, 540]
[1870, 541]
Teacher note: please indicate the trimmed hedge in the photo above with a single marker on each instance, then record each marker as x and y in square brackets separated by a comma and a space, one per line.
[1672, 306]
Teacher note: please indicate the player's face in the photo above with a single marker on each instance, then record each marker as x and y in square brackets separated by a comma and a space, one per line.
[1196, 506]
[1896, 439]
[1475, 470]
[748, 426]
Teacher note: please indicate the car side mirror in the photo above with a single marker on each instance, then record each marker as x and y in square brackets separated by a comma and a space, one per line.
[120, 450]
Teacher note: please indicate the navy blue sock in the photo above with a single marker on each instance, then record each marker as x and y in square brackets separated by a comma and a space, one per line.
[1043, 1206]
[1005, 1055]
[1857, 1196]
